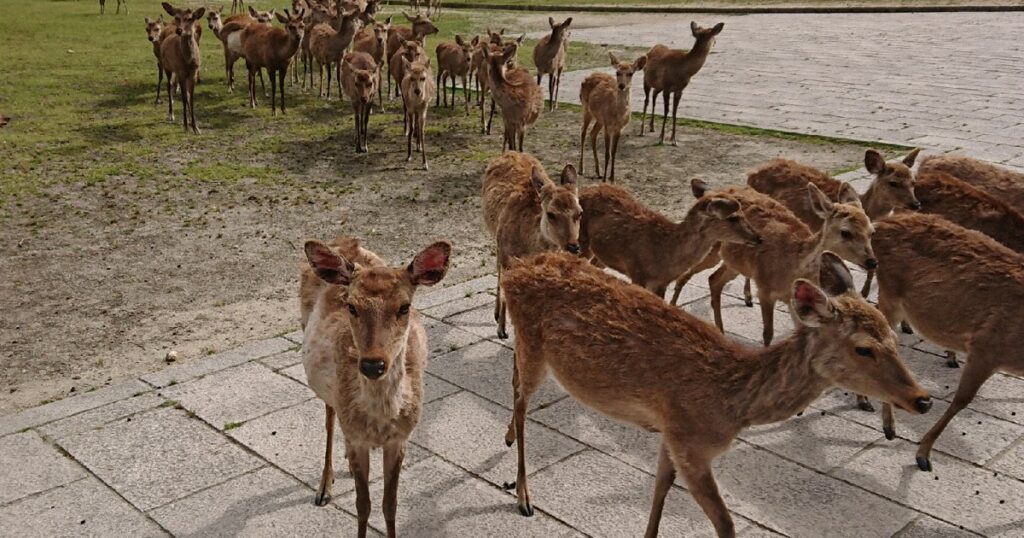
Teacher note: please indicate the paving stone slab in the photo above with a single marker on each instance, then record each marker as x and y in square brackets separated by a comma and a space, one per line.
[741, 320]
[435, 388]
[264, 503]
[282, 360]
[30, 466]
[294, 336]
[1011, 462]
[581, 489]
[444, 338]
[818, 440]
[463, 304]
[1001, 396]
[237, 394]
[158, 457]
[758, 532]
[956, 491]
[929, 527]
[432, 298]
[82, 508]
[470, 432]
[294, 439]
[101, 415]
[184, 371]
[436, 498]
[480, 321]
[69, 406]
[296, 372]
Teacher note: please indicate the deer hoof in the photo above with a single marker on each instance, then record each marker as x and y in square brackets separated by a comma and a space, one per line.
[526, 510]
[924, 464]
[508, 486]
[749, 302]
[906, 328]
[865, 405]
[502, 334]
[952, 362]
[322, 498]
[890, 433]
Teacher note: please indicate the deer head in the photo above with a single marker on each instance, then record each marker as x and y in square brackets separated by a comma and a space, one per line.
[416, 77]
[721, 216]
[213, 19]
[293, 22]
[184, 19]
[705, 36]
[466, 47]
[894, 181]
[845, 228]
[421, 25]
[624, 71]
[560, 208]
[153, 28]
[558, 31]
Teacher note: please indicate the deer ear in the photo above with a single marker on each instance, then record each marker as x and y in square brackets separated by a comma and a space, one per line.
[567, 22]
[699, 187]
[410, 19]
[874, 162]
[388, 20]
[820, 203]
[722, 208]
[509, 52]
[199, 14]
[167, 7]
[328, 265]
[459, 40]
[810, 305]
[835, 278]
[475, 41]
[148, 21]
[253, 12]
[551, 22]
[281, 18]
[718, 28]
[694, 28]
[521, 38]
[431, 264]
[160, 19]
[613, 58]
[569, 177]
[847, 195]
[539, 181]
[911, 157]
[640, 63]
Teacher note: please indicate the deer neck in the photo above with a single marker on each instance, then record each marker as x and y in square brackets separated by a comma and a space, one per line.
[873, 205]
[698, 54]
[557, 38]
[385, 397]
[291, 44]
[687, 244]
[779, 381]
[809, 255]
[189, 49]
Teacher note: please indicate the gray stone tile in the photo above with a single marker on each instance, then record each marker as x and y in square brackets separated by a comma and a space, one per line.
[294, 336]
[237, 394]
[470, 432]
[294, 439]
[435, 388]
[462, 304]
[1001, 396]
[758, 532]
[158, 457]
[184, 371]
[957, 492]
[69, 406]
[819, 441]
[30, 466]
[580, 489]
[435, 297]
[82, 508]
[741, 320]
[263, 503]
[485, 369]
[929, 527]
[1011, 462]
[101, 415]
[296, 372]
[444, 338]
[282, 360]
[480, 321]
[436, 498]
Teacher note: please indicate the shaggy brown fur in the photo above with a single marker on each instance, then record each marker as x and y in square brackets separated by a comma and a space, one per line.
[360, 78]
[272, 49]
[454, 59]
[418, 90]
[549, 57]
[1004, 184]
[514, 90]
[606, 101]
[631, 356]
[970, 207]
[328, 43]
[228, 32]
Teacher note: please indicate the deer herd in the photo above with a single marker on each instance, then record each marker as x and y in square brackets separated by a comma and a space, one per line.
[943, 236]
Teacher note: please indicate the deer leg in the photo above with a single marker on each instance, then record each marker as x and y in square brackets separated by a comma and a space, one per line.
[521, 134]
[323, 493]
[767, 316]
[701, 483]
[490, 119]
[337, 82]
[159, 82]
[664, 117]
[866, 289]
[500, 308]
[583, 135]
[263, 85]
[170, 97]
[510, 433]
[321, 67]
[454, 88]
[611, 175]
[680, 282]
[192, 104]
[359, 466]
[465, 92]
[183, 89]
[717, 282]
[977, 370]
[558, 86]
[643, 115]
[439, 84]
[393, 456]
[654, 107]
[551, 90]
[663, 480]
[330, 75]
[280, 85]
[531, 374]
[423, 137]
[607, 150]
[593, 147]
[888, 421]
[408, 142]
[675, 108]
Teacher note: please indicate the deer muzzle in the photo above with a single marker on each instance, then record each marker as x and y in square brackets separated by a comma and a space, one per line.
[573, 248]
[372, 368]
[915, 205]
[923, 404]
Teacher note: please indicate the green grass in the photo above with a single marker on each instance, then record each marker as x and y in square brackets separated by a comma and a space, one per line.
[232, 425]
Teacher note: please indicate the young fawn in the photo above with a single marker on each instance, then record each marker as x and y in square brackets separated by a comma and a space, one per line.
[229, 32]
[328, 43]
[272, 49]
[180, 57]
[364, 353]
[650, 249]
[606, 102]
[514, 90]
[360, 79]
[454, 60]
[789, 250]
[549, 57]
[418, 91]
[1002, 183]
[669, 72]
[154, 28]
[527, 213]
[925, 261]
[626, 353]
[397, 35]
[373, 40]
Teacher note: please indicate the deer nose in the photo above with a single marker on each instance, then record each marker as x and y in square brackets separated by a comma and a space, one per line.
[622, 86]
[416, 91]
[757, 240]
[923, 404]
[870, 263]
[573, 248]
[915, 205]
[372, 368]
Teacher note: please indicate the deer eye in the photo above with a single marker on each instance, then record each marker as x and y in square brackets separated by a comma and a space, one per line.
[733, 218]
[864, 352]
[552, 216]
[846, 235]
[894, 184]
[403, 310]
[352, 310]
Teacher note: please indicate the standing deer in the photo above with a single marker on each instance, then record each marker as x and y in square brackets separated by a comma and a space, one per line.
[526, 213]
[229, 32]
[925, 261]
[272, 49]
[418, 91]
[154, 29]
[1000, 182]
[622, 351]
[549, 57]
[454, 59]
[606, 101]
[317, 14]
[373, 40]
[482, 72]
[364, 354]
[411, 52]
[103, 7]
[328, 43]
[180, 57]
[669, 72]
[514, 90]
[360, 78]
[397, 35]
[647, 247]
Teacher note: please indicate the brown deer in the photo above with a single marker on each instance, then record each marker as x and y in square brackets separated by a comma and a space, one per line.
[272, 49]
[624, 352]
[1000, 182]
[647, 247]
[364, 353]
[229, 32]
[525, 213]
[789, 250]
[180, 57]
[482, 72]
[669, 72]
[411, 52]
[514, 90]
[318, 13]
[103, 7]
[328, 43]
[549, 57]
[606, 102]
[360, 78]
[373, 40]
[397, 35]
[418, 91]
[924, 263]
[966, 205]
[154, 29]
[454, 60]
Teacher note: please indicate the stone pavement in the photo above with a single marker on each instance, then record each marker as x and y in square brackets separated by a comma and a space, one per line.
[232, 444]
[941, 81]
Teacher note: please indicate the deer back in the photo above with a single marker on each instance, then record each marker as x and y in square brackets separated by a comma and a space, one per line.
[1000, 182]
[970, 207]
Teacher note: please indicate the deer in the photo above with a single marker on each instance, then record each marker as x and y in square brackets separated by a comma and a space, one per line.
[328, 44]
[623, 234]
[970, 207]
[606, 102]
[549, 57]
[410, 52]
[1000, 182]
[373, 40]
[789, 250]
[272, 49]
[364, 353]
[103, 7]
[397, 35]
[514, 90]
[624, 352]
[482, 71]
[154, 29]
[229, 32]
[454, 59]
[317, 14]
[180, 57]
[924, 261]
[669, 72]
[360, 79]
[525, 212]
[418, 90]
